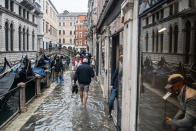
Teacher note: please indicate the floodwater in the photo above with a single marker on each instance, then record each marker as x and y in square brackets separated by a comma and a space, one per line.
[62, 111]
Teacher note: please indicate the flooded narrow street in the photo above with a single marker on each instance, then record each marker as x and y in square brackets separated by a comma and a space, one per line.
[62, 111]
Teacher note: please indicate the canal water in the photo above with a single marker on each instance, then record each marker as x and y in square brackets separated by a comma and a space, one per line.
[62, 111]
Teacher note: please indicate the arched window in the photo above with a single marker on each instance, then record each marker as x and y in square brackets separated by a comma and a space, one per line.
[187, 41]
[170, 39]
[19, 38]
[27, 39]
[23, 39]
[157, 41]
[33, 40]
[12, 37]
[6, 36]
[153, 41]
[7, 4]
[161, 42]
[147, 42]
[176, 39]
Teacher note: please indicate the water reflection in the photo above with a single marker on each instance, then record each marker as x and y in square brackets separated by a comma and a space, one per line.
[62, 111]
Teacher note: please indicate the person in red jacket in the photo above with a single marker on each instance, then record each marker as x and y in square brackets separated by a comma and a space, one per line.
[78, 61]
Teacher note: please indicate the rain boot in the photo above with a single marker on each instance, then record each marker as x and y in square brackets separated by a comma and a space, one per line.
[56, 80]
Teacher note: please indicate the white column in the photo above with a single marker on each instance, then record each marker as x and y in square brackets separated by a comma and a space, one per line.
[107, 63]
[130, 65]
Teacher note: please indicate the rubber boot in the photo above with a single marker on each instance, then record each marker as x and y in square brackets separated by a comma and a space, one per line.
[56, 80]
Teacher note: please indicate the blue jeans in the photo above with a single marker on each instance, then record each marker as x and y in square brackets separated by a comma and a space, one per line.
[113, 95]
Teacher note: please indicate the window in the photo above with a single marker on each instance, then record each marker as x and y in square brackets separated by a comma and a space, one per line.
[23, 39]
[157, 15]
[20, 10]
[46, 27]
[153, 41]
[63, 41]
[70, 32]
[60, 40]
[147, 21]
[59, 23]
[146, 42]
[12, 5]
[171, 9]
[162, 13]
[153, 18]
[70, 23]
[70, 41]
[33, 19]
[80, 27]
[63, 23]
[28, 16]
[161, 42]
[6, 4]
[47, 7]
[80, 42]
[187, 48]
[33, 40]
[59, 32]
[27, 40]
[24, 13]
[59, 18]
[19, 38]
[43, 27]
[63, 32]
[170, 39]
[80, 34]
[12, 37]
[6, 36]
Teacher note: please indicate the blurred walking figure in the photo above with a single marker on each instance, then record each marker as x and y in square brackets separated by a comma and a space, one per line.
[67, 62]
[83, 75]
[58, 69]
[63, 68]
[114, 86]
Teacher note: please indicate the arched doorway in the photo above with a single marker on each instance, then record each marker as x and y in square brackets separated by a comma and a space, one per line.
[187, 41]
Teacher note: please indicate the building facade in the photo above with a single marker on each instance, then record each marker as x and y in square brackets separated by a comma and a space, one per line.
[156, 40]
[67, 28]
[50, 25]
[81, 33]
[19, 29]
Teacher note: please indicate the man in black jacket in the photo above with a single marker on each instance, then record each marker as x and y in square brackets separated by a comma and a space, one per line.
[83, 75]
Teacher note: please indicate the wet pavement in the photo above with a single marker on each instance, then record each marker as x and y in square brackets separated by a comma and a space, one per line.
[62, 111]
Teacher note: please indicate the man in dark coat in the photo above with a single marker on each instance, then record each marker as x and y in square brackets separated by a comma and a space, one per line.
[58, 69]
[83, 75]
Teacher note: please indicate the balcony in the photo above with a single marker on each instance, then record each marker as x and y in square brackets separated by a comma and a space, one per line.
[29, 4]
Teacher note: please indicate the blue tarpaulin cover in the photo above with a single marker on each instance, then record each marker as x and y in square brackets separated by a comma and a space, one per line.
[39, 71]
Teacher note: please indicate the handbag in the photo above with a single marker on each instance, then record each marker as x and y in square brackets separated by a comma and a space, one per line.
[74, 89]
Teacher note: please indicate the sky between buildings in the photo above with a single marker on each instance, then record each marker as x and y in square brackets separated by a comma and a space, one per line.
[71, 5]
